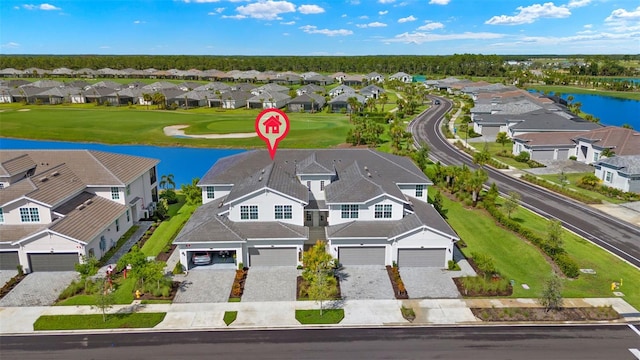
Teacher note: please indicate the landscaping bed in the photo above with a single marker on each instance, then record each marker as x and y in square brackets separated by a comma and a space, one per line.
[399, 290]
[237, 289]
[175, 285]
[486, 284]
[13, 282]
[165, 255]
[302, 285]
[601, 313]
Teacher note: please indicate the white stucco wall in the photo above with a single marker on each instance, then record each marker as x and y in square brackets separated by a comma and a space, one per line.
[218, 192]
[616, 181]
[410, 190]
[12, 213]
[367, 211]
[315, 184]
[47, 243]
[266, 200]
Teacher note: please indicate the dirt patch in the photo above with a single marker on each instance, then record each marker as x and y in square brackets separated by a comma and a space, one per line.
[177, 130]
[601, 313]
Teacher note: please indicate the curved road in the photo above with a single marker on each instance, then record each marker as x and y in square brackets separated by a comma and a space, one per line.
[614, 235]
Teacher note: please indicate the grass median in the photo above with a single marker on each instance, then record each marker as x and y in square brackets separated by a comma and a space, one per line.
[329, 316]
[84, 322]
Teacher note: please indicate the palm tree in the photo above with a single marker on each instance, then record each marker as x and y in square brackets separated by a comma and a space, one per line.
[353, 104]
[383, 100]
[166, 181]
[476, 181]
[147, 99]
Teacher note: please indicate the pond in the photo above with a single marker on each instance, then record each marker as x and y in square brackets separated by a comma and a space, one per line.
[183, 162]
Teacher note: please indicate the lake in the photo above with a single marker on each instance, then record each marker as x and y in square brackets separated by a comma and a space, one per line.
[610, 110]
[183, 162]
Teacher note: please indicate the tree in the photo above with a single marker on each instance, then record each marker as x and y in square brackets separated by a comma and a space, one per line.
[159, 100]
[318, 271]
[627, 126]
[88, 266]
[147, 99]
[511, 203]
[551, 297]
[104, 299]
[476, 181]
[607, 152]
[192, 192]
[138, 261]
[353, 104]
[554, 236]
[167, 182]
[421, 157]
[383, 100]
[502, 138]
[438, 204]
[483, 156]
[153, 271]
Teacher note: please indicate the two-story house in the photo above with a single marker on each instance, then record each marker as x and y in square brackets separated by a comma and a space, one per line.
[59, 205]
[370, 207]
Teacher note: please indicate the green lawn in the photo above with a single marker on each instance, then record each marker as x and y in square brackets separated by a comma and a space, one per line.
[329, 316]
[578, 90]
[229, 317]
[523, 262]
[168, 229]
[573, 180]
[122, 125]
[114, 321]
[123, 294]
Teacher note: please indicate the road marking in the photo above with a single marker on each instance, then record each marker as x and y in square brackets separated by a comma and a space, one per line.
[635, 353]
[634, 329]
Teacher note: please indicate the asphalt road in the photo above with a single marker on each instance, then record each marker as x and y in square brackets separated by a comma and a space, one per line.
[517, 342]
[619, 237]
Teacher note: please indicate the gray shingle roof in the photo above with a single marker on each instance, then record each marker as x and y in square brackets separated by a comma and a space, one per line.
[629, 165]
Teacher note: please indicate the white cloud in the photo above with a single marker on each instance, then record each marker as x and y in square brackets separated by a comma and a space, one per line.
[105, 47]
[530, 14]
[588, 26]
[139, 22]
[372, 25]
[201, 1]
[429, 26]
[45, 7]
[420, 37]
[439, 2]
[578, 3]
[407, 19]
[266, 10]
[310, 9]
[10, 45]
[235, 17]
[622, 20]
[622, 14]
[363, 17]
[288, 23]
[216, 12]
[343, 15]
[386, 1]
[383, 12]
[311, 29]
[16, 8]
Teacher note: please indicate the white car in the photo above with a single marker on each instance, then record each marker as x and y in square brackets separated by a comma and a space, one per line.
[201, 258]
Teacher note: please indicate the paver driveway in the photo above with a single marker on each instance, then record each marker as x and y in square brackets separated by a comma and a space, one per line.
[39, 288]
[205, 286]
[365, 282]
[270, 283]
[6, 275]
[429, 283]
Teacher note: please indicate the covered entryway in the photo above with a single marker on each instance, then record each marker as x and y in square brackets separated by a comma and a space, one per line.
[422, 257]
[273, 256]
[361, 255]
[9, 260]
[53, 262]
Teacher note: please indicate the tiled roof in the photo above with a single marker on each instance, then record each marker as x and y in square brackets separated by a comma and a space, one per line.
[548, 138]
[55, 185]
[17, 165]
[11, 233]
[16, 191]
[623, 141]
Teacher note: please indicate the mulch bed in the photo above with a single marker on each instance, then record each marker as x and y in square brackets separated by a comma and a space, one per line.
[604, 313]
[471, 293]
[301, 283]
[237, 289]
[175, 285]
[164, 256]
[13, 282]
[399, 290]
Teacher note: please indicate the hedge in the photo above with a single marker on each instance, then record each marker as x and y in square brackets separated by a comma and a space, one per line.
[559, 189]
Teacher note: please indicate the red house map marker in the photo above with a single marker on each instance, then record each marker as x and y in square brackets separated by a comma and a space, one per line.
[272, 125]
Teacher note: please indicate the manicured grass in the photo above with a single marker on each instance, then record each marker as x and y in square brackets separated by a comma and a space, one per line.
[578, 90]
[114, 321]
[234, 299]
[122, 125]
[154, 301]
[573, 180]
[230, 316]
[329, 316]
[123, 294]
[168, 229]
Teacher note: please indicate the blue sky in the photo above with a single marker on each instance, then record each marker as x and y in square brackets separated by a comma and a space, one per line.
[320, 27]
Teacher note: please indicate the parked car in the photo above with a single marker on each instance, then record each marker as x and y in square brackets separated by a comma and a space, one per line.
[201, 258]
[436, 102]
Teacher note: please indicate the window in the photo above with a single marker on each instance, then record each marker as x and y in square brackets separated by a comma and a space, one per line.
[249, 212]
[608, 176]
[1, 185]
[128, 216]
[322, 185]
[596, 156]
[117, 225]
[29, 215]
[210, 193]
[349, 211]
[309, 216]
[115, 193]
[283, 212]
[419, 191]
[383, 211]
[92, 253]
[128, 190]
[1, 216]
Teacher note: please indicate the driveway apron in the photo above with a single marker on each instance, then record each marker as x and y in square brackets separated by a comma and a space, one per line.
[365, 283]
[205, 286]
[270, 283]
[39, 288]
[429, 283]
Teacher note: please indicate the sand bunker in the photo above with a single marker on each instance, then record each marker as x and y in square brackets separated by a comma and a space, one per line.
[24, 110]
[177, 131]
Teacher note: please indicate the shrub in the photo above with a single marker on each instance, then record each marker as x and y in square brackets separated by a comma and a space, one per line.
[178, 269]
[485, 264]
[523, 157]
[452, 265]
[567, 265]
[572, 157]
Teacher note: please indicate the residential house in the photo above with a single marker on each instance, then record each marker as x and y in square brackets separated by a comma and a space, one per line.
[370, 207]
[321, 80]
[353, 80]
[374, 77]
[268, 99]
[546, 146]
[620, 172]
[341, 89]
[371, 91]
[311, 89]
[617, 140]
[308, 102]
[338, 103]
[57, 206]
[230, 100]
[401, 76]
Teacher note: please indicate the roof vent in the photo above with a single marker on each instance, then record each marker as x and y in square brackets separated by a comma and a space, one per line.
[88, 202]
[366, 168]
[263, 171]
[55, 173]
[260, 178]
[369, 174]
[80, 207]
[43, 179]
[220, 204]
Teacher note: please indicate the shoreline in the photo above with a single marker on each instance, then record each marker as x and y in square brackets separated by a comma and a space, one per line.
[177, 131]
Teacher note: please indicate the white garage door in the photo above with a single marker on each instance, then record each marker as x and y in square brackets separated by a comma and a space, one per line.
[542, 155]
[488, 130]
[361, 255]
[273, 257]
[53, 262]
[9, 260]
[421, 257]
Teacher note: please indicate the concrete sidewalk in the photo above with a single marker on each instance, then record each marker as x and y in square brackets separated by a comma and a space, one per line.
[281, 314]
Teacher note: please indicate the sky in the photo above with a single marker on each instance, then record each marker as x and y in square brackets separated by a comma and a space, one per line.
[319, 27]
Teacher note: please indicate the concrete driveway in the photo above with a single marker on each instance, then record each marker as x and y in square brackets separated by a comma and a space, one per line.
[205, 286]
[39, 289]
[365, 283]
[270, 283]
